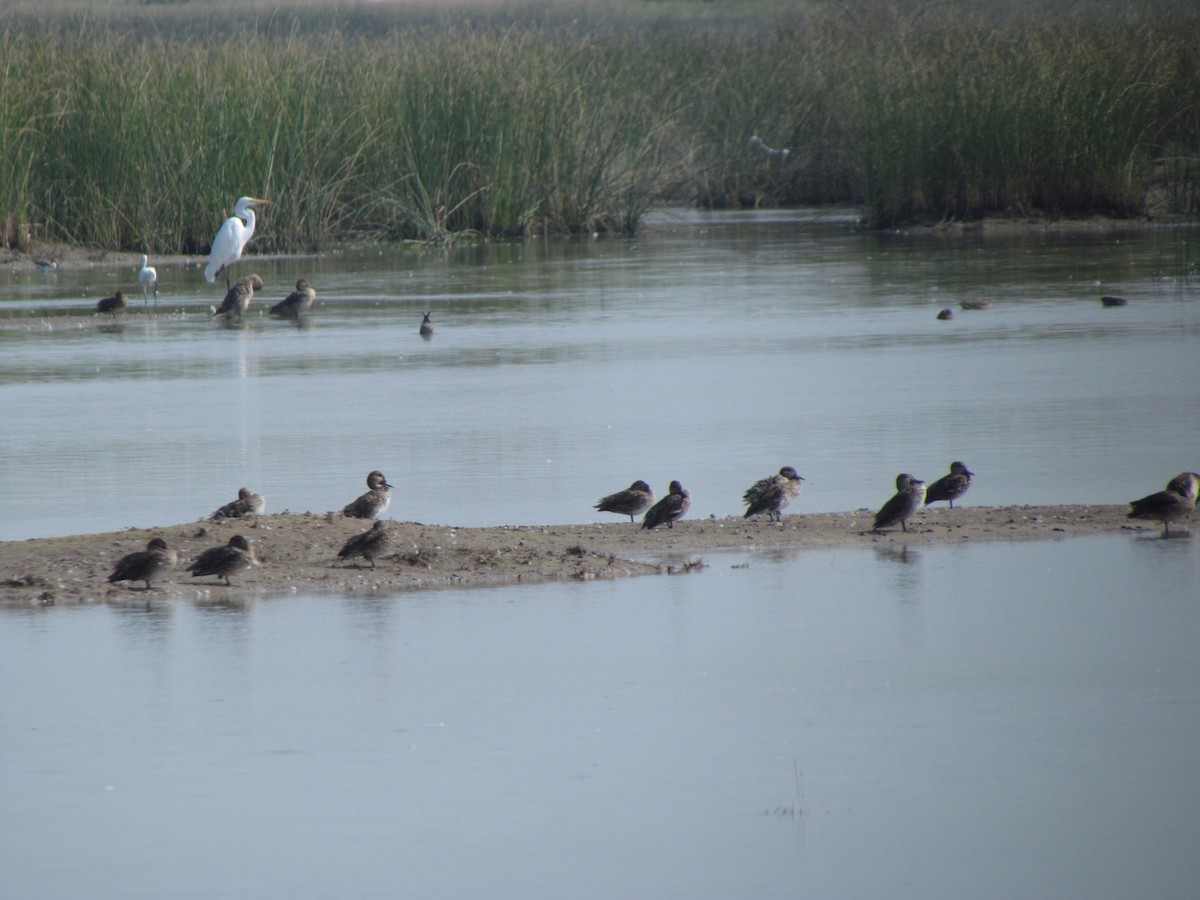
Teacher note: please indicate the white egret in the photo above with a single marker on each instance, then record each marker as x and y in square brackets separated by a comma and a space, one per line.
[148, 278]
[235, 233]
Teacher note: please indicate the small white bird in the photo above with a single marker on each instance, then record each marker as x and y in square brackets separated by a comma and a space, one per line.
[759, 144]
[235, 233]
[148, 278]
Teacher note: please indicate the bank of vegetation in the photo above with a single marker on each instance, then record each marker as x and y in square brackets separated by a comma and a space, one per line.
[135, 126]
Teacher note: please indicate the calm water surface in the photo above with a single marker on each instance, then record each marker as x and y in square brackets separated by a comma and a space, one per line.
[980, 721]
[563, 371]
[996, 720]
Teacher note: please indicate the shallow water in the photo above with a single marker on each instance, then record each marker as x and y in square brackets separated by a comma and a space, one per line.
[996, 720]
[565, 370]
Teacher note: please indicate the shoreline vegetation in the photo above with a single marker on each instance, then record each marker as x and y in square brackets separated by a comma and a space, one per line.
[133, 127]
[299, 551]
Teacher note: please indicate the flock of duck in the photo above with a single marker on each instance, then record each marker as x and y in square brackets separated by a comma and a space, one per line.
[769, 496]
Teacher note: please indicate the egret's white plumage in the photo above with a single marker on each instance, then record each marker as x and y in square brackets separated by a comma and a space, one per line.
[231, 239]
[148, 278]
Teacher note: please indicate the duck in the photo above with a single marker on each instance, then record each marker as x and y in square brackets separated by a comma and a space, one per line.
[247, 504]
[427, 329]
[950, 487]
[1175, 503]
[298, 301]
[145, 565]
[228, 559]
[112, 305]
[237, 301]
[377, 541]
[910, 494]
[771, 494]
[670, 509]
[632, 501]
[374, 502]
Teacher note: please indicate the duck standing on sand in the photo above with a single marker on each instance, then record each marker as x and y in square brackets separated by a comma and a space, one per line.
[771, 494]
[632, 501]
[669, 509]
[1175, 503]
[374, 502]
[247, 504]
[226, 560]
[145, 565]
[950, 487]
[237, 301]
[910, 494]
[370, 544]
[298, 301]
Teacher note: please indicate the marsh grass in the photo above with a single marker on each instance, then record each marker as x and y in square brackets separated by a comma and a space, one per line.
[137, 128]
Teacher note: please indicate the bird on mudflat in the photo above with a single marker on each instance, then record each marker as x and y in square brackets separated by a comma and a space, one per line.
[950, 487]
[374, 502]
[771, 494]
[145, 565]
[632, 501]
[1175, 503]
[298, 301]
[427, 329]
[237, 301]
[231, 239]
[228, 559]
[669, 509]
[372, 543]
[148, 279]
[247, 504]
[112, 305]
[910, 494]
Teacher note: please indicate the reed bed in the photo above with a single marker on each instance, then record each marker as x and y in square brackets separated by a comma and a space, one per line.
[137, 129]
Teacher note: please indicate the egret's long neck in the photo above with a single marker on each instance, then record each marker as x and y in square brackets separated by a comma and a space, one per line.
[248, 215]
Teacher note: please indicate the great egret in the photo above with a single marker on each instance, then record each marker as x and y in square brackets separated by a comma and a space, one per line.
[112, 305]
[235, 233]
[297, 302]
[148, 278]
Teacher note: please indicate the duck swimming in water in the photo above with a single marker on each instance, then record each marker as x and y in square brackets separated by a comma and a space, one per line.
[298, 301]
[112, 305]
[427, 329]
